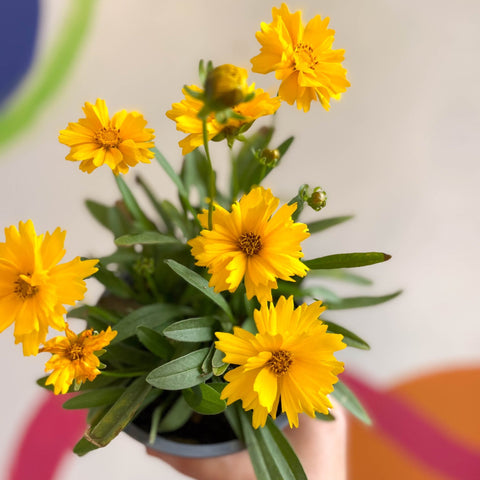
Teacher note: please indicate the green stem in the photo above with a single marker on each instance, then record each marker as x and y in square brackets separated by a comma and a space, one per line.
[211, 173]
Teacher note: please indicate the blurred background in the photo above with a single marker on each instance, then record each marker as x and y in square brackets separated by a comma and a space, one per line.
[400, 152]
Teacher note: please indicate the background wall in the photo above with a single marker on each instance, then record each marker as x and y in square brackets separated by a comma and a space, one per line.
[400, 151]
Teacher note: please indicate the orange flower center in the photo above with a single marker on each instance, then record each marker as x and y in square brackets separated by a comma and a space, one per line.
[23, 289]
[303, 57]
[250, 243]
[75, 352]
[280, 362]
[108, 137]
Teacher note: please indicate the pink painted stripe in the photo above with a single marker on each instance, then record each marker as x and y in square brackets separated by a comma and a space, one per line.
[422, 439]
[48, 438]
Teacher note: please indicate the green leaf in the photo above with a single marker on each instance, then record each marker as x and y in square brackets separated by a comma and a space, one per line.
[358, 302]
[349, 337]
[113, 283]
[347, 260]
[341, 275]
[176, 417]
[180, 373]
[132, 204]
[201, 284]
[145, 238]
[204, 399]
[155, 316]
[347, 398]
[110, 217]
[271, 454]
[284, 146]
[196, 173]
[313, 291]
[199, 329]
[83, 446]
[119, 415]
[96, 317]
[94, 398]
[218, 366]
[155, 342]
[170, 172]
[320, 225]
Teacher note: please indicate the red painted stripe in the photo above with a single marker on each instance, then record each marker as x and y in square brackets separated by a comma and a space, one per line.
[49, 436]
[422, 439]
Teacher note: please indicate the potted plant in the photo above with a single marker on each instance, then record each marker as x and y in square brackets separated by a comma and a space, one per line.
[212, 323]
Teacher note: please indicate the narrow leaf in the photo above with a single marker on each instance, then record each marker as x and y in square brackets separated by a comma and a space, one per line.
[94, 398]
[110, 217]
[347, 398]
[180, 373]
[325, 223]
[120, 414]
[176, 417]
[341, 275]
[357, 302]
[201, 284]
[347, 260]
[199, 329]
[155, 316]
[132, 204]
[145, 238]
[349, 337]
[154, 341]
[113, 283]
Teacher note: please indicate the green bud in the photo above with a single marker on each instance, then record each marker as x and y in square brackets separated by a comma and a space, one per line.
[270, 158]
[225, 87]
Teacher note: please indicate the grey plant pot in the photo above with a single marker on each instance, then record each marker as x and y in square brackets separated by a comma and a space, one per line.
[189, 450]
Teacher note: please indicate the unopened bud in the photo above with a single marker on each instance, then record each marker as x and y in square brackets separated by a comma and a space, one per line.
[226, 86]
[317, 199]
[269, 158]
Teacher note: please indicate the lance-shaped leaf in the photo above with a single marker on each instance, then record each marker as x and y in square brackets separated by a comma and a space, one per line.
[176, 417]
[155, 316]
[347, 260]
[94, 398]
[201, 284]
[349, 337]
[145, 238]
[205, 399]
[325, 223]
[116, 418]
[112, 283]
[132, 204]
[110, 217]
[199, 329]
[347, 398]
[180, 373]
[357, 302]
[271, 454]
[155, 342]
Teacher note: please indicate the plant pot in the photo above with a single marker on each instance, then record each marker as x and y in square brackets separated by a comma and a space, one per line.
[191, 447]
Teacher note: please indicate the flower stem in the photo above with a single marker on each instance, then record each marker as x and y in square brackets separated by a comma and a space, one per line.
[211, 186]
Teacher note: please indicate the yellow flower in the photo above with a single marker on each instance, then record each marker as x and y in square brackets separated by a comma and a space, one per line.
[34, 287]
[73, 357]
[302, 57]
[226, 86]
[120, 142]
[290, 360]
[255, 242]
[185, 114]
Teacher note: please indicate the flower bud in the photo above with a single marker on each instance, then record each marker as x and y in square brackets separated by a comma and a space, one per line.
[269, 158]
[317, 199]
[226, 86]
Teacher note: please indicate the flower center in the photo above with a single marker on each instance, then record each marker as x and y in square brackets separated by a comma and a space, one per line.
[250, 243]
[75, 352]
[303, 58]
[108, 137]
[23, 289]
[280, 362]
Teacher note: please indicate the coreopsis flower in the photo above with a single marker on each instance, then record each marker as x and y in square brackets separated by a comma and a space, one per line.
[226, 86]
[120, 142]
[73, 357]
[34, 286]
[185, 114]
[254, 242]
[302, 58]
[289, 361]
